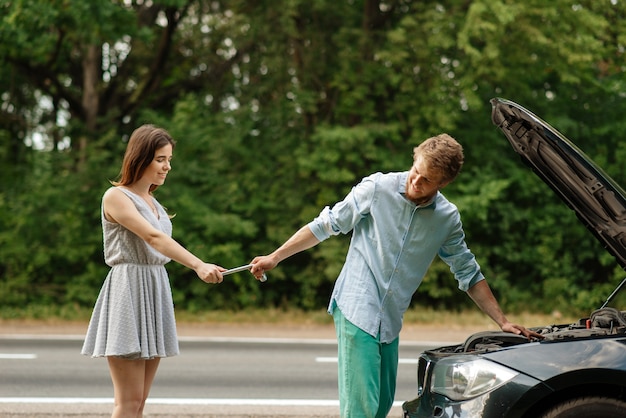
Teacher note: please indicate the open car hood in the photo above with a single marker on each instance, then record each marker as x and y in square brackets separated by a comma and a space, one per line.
[597, 200]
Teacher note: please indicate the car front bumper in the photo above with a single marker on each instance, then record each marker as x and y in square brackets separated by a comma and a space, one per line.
[510, 401]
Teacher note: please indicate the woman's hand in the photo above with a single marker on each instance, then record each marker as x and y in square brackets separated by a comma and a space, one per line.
[210, 273]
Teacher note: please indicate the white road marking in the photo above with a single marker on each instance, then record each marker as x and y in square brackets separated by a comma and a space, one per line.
[4, 356]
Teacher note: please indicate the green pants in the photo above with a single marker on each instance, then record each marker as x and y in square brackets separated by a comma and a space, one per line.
[367, 371]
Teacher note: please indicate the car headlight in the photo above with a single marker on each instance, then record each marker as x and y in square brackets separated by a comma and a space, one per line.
[462, 379]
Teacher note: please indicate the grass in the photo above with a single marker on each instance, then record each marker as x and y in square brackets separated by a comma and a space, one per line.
[474, 317]
[272, 316]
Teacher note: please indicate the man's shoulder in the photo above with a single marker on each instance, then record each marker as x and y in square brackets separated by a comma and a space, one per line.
[393, 176]
[445, 206]
[379, 183]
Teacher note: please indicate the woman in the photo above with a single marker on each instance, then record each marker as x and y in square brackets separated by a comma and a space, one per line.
[133, 322]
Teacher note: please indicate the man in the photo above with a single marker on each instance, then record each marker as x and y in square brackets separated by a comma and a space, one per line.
[399, 223]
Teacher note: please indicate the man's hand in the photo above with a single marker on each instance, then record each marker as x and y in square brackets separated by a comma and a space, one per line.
[518, 329]
[261, 264]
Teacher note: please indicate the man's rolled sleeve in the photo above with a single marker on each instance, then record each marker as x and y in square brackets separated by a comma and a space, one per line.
[342, 217]
[322, 226]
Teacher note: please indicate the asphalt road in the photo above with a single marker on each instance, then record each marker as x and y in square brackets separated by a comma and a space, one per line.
[212, 377]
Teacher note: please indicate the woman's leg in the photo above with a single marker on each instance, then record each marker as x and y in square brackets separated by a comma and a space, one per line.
[151, 369]
[132, 380]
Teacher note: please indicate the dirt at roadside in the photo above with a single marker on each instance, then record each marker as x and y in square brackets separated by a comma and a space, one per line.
[410, 332]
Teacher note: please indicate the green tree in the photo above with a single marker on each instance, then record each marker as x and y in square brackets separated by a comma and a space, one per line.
[279, 108]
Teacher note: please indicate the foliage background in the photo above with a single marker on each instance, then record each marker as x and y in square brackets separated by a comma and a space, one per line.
[279, 108]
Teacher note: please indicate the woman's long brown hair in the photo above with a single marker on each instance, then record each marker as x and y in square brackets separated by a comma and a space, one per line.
[140, 151]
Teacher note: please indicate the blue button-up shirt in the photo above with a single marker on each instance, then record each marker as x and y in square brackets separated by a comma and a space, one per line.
[393, 243]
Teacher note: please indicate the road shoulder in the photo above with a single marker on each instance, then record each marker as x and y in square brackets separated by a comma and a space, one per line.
[410, 332]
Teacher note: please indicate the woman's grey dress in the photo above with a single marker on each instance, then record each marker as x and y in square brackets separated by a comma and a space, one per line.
[134, 314]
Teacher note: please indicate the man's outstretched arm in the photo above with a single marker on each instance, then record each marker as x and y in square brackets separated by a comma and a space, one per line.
[302, 240]
[482, 295]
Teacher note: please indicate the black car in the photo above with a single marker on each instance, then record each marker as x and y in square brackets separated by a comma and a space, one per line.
[578, 370]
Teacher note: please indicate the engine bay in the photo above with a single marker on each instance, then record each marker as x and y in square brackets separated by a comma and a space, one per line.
[602, 322]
